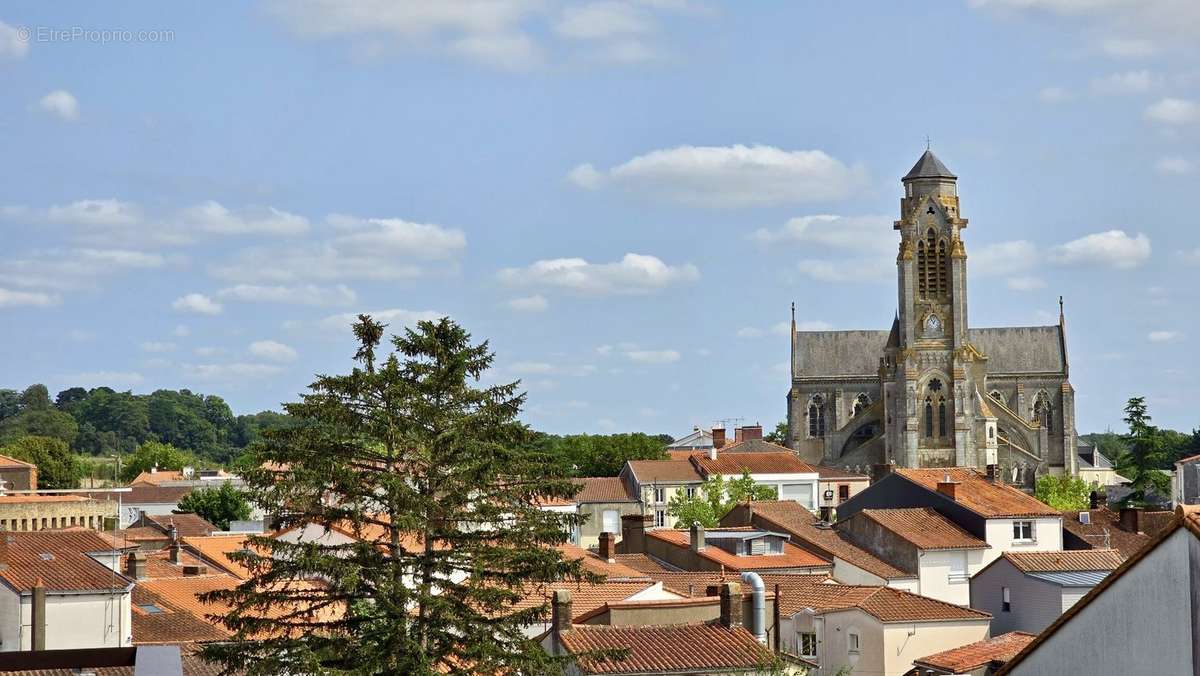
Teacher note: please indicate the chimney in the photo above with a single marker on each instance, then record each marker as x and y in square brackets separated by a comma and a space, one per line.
[731, 605]
[881, 470]
[1131, 519]
[608, 546]
[560, 613]
[176, 553]
[752, 432]
[991, 473]
[172, 533]
[193, 570]
[826, 513]
[948, 487]
[4, 541]
[718, 435]
[38, 616]
[135, 565]
[633, 533]
[697, 536]
[1094, 500]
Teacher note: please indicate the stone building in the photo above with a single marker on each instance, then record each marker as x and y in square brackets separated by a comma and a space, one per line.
[933, 391]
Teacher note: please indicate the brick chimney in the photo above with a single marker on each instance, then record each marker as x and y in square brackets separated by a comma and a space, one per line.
[731, 605]
[737, 435]
[608, 546]
[948, 487]
[697, 536]
[1131, 520]
[718, 435]
[879, 471]
[135, 566]
[752, 432]
[37, 616]
[560, 613]
[633, 533]
[4, 537]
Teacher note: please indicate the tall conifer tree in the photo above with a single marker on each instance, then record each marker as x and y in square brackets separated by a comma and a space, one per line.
[438, 481]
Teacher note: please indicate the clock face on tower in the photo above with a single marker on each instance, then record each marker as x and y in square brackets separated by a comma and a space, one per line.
[933, 327]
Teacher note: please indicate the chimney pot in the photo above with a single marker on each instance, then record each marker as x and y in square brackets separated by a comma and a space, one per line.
[608, 546]
[135, 565]
[731, 605]
[718, 436]
[752, 432]
[697, 536]
[560, 612]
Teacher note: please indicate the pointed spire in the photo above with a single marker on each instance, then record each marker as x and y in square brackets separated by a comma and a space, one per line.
[928, 166]
[1061, 316]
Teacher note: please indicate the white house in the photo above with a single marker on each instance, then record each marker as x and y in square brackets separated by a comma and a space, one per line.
[61, 589]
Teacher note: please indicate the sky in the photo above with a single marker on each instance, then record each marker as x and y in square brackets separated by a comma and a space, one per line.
[623, 196]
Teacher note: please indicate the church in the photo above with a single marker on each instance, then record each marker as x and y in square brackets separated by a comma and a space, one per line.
[933, 391]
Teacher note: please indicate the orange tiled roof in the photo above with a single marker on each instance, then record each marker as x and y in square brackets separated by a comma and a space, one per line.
[604, 489]
[640, 562]
[30, 497]
[1056, 562]
[792, 518]
[895, 605]
[886, 604]
[186, 523]
[924, 528]
[217, 548]
[792, 556]
[59, 558]
[649, 471]
[593, 563]
[167, 475]
[976, 493]
[672, 648]
[756, 463]
[585, 596]
[991, 652]
[9, 461]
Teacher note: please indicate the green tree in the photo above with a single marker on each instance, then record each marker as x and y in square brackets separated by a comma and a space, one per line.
[1063, 492]
[10, 403]
[714, 500]
[37, 417]
[69, 398]
[57, 465]
[779, 434]
[603, 454]
[437, 477]
[154, 454]
[218, 505]
[1146, 454]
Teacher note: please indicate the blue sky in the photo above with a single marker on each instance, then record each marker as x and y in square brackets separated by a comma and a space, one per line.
[619, 194]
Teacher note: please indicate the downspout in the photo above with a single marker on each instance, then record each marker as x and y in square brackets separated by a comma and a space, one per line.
[758, 617]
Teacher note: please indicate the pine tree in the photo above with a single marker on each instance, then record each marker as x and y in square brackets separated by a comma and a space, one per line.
[439, 482]
[1146, 454]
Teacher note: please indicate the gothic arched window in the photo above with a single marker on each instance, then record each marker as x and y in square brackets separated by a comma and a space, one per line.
[1042, 410]
[928, 417]
[816, 417]
[943, 284]
[922, 268]
[861, 402]
[941, 416]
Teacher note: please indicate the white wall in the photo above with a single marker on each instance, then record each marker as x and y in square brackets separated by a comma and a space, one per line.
[934, 571]
[833, 651]
[907, 642]
[10, 619]
[99, 620]
[777, 482]
[999, 534]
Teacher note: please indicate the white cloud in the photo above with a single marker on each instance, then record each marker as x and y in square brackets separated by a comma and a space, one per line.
[813, 325]
[1002, 258]
[9, 298]
[95, 212]
[602, 20]
[727, 176]
[273, 351]
[209, 351]
[61, 104]
[301, 294]
[1113, 249]
[1163, 336]
[211, 216]
[653, 356]
[1125, 28]
[237, 371]
[395, 318]
[1128, 48]
[526, 368]
[181, 331]
[198, 303]
[13, 45]
[114, 379]
[749, 332]
[74, 268]
[534, 303]
[122, 258]
[856, 233]
[1025, 283]
[1128, 82]
[1174, 165]
[1054, 95]
[155, 346]
[850, 270]
[1173, 111]
[634, 274]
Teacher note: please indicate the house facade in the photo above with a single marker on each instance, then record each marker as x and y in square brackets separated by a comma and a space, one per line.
[1027, 591]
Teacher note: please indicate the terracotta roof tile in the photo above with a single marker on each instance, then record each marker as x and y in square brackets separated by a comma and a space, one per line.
[60, 558]
[186, 523]
[756, 463]
[924, 528]
[753, 446]
[895, 605]
[217, 548]
[1058, 562]
[640, 562]
[592, 562]
[831, 473]
[604, 489]
[664, 649]
[585, 596]
[8, 462]
[792, 518]
[158, 564]
[648, 471]
[990, 652]
[976, 493]
[792, 556]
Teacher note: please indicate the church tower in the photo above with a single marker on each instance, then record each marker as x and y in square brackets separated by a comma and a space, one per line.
[928, 358]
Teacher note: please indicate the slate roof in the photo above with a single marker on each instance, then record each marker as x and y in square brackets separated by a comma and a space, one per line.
[756, 463]
[991, 652]
[1010, 350]
[604, 489]
[680, 648]
[60, 559]
[928, 166]
[1068, 561]
[791, 517]
[676, 471]
[792, 556]
[985, 498]
[924, 528]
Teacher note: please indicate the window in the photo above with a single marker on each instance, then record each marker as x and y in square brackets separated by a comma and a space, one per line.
[801, 493]
[690, 491]
[1023, 531]
[774, 545]
[843, 492]
[958, 568]
[660, 518]
[816, 417]
[150, 608]
[660, 495]
[941, 417]
[610, 521]
[852, 642]
[928, 417]
[1042, 411]
[1005, 600]
[807, 643]
[922, 269]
